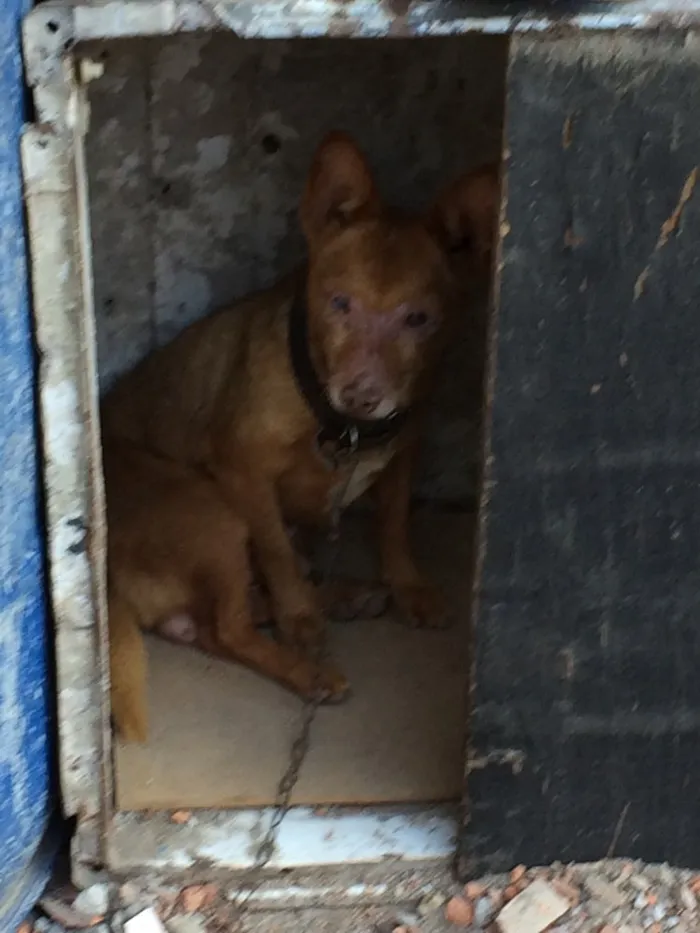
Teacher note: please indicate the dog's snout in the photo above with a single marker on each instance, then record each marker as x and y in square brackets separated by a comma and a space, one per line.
[361, 396]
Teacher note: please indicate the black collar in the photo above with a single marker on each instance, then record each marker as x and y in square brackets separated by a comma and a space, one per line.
[338, 434]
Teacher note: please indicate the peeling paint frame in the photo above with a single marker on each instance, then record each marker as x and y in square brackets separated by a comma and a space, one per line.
[131, 844]
[281, 19]
[57, 206]
[61, 267]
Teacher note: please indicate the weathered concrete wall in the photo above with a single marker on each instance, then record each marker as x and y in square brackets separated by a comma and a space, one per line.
[197, 155]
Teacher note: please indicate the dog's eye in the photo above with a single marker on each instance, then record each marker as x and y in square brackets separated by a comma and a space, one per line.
[340, 303]
[416, 320]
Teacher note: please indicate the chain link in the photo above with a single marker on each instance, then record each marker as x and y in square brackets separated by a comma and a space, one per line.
[300, 746]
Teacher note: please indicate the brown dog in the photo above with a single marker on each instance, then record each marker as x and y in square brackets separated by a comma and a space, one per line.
[275, 411]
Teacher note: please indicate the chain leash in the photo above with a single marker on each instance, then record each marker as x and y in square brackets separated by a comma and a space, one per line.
[301, 744]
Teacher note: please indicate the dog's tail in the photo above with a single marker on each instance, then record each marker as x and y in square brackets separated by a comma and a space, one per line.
[128, 670]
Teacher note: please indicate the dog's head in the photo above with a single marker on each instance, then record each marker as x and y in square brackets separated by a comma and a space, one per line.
[382, 287]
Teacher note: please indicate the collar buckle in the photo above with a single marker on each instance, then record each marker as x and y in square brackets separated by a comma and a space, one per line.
[337, 449]
[349, 441]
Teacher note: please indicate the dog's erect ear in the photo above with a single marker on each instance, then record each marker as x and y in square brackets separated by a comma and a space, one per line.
[464, 218]
[339, 190]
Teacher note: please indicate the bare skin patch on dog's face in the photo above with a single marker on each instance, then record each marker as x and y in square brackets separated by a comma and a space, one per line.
[376, 307]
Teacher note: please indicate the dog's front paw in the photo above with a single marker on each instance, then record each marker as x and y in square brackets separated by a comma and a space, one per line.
[304, 630]
[347, 600]
[300, 621]
[331, 685]
[421, 605]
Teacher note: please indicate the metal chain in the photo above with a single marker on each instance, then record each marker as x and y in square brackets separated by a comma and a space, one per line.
[300, 746]
[283, 798]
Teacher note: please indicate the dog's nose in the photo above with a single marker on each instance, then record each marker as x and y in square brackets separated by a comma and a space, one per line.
[361, 396]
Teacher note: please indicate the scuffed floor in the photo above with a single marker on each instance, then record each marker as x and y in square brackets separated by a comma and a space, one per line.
[399, 738]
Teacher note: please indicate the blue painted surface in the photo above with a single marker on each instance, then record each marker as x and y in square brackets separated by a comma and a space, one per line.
[25, 722]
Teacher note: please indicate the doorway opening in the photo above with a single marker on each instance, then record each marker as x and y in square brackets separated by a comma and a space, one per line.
[196, 156]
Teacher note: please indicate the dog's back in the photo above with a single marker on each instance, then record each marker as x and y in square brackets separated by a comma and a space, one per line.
[167, 402]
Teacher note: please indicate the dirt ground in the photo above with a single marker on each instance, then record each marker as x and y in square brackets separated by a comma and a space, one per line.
[612, 896]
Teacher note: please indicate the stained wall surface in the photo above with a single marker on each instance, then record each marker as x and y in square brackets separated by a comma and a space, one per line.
[197, 154]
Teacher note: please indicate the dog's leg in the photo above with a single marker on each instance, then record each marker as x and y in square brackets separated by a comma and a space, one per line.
[342, 599]
[294, 602]
[418, 602]
[128, 671]
[286, 664]
[346, 600]
[234, 636]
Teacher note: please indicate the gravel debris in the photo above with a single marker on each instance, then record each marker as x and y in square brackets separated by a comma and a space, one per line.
[44, 925]
[603, 890]
[687, 898]
[145, 922]
[484, 911]
[406, 918]
[93, 901]
[65, 915]
[639, 882]
[186, 923]
[430, 903]
[611, 896]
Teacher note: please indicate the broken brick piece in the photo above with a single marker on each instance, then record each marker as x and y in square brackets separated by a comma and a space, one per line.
[197, 896]
[474, 889]
[496, 897]
[459, 911]
[533, 910]
[181, 817]
[567, 890]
